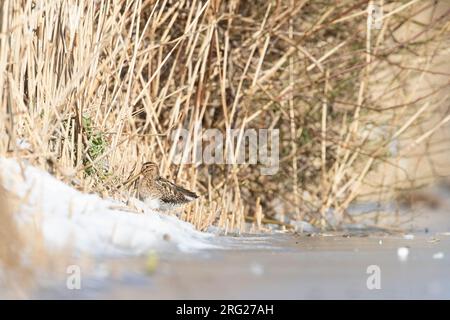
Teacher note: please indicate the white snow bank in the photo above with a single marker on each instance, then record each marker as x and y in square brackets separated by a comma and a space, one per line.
[88, 223]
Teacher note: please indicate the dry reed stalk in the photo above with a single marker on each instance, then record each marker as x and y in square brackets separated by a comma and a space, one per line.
[11, 242]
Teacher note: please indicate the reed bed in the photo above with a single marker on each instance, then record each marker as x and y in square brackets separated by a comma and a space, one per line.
[91, 89]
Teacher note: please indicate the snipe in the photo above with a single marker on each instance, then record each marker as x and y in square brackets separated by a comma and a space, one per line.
[159, 193]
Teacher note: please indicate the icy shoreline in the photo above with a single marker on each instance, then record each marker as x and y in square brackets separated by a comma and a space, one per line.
[90, 224]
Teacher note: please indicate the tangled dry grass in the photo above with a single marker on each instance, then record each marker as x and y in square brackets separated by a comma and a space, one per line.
[91, 89]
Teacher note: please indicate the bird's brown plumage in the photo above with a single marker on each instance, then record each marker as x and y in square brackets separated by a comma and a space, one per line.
[153, 187]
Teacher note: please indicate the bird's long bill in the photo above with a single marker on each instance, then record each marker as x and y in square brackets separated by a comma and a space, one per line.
[132, 179]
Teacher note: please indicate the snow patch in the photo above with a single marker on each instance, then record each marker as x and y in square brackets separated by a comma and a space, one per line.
[303, 226]
[89, 223]
[403, 253]
[438, 255]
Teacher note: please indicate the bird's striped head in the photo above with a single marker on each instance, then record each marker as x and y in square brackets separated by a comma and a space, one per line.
[150, 169]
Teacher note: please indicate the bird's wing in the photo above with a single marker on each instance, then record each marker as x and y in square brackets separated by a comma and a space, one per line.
[174, 193]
